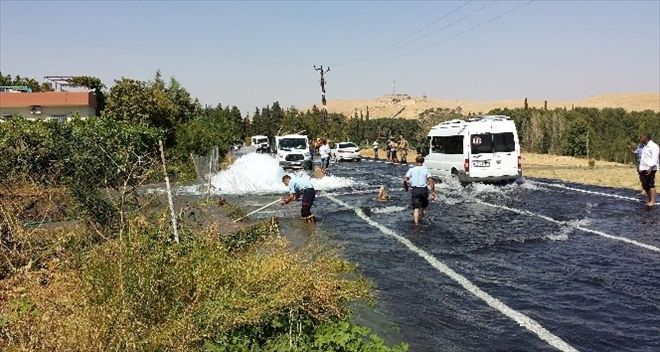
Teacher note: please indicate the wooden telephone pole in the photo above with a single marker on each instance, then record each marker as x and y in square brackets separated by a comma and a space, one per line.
[322, 72]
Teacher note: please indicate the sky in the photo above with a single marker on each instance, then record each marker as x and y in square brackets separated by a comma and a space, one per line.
[251, 54]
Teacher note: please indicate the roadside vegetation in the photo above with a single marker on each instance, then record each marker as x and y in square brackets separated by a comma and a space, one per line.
[88, 260]
[87, 257]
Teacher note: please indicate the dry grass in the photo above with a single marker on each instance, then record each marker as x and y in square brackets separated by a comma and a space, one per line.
[385, 107]
[142, 293]
[604, 173]
[565, 168]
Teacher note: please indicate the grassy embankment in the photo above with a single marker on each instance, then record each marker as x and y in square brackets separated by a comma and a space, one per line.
[70, 286]
[565, 168]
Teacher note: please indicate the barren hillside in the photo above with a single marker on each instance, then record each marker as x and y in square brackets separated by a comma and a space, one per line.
[407, 106]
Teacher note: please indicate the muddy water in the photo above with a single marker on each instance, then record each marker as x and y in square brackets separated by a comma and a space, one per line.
[593, 292]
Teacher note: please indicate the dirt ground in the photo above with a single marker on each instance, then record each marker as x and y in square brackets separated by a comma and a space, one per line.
[411, 106]
[565, 168]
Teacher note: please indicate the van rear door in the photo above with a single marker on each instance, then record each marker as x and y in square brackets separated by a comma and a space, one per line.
[481, 154]
[505, 154]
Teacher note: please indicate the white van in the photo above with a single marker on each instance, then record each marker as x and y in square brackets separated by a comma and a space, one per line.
[260, 143]
[293, 151]
[483, 149]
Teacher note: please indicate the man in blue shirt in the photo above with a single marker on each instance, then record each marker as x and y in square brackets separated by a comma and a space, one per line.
[418, 177]
[300, 187]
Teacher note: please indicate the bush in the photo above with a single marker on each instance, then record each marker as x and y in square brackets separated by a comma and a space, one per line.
[84, 155]
[140, 291]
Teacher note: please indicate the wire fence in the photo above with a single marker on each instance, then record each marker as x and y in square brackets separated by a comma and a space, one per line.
[206, 165]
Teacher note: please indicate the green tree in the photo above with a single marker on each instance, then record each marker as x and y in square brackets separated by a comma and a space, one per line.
[31, 83]
[94, 84]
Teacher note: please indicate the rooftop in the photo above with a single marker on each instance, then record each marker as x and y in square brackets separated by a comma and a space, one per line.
[44, 99]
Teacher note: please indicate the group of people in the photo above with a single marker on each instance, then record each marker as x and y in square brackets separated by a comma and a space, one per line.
[395, 150]
[417, 180]
[648, 160]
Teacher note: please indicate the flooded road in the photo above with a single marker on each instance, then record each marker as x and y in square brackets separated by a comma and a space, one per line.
[540, 266]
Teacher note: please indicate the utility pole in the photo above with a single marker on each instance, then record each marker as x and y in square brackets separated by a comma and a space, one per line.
[322, 72]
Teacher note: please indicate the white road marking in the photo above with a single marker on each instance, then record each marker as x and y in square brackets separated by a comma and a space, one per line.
[522, 320]
[560, 186]
[578, 227]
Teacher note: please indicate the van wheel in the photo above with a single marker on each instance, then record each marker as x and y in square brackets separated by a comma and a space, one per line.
[454, 172]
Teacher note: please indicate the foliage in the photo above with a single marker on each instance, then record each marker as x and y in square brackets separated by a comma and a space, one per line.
[84, 155]
[271, 121]
[336, 336]
[31, 83]
[564, 132]
[216, 127]
[152, 103]
[140, 291]
[94, 84]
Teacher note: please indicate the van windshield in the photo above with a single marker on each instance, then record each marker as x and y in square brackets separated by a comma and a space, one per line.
[293, 143]
[447, 145]
[262, 140]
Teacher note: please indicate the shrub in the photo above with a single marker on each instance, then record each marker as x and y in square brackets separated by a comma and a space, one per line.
[141, 292]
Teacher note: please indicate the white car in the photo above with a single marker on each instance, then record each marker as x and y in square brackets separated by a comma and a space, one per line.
[346, 151]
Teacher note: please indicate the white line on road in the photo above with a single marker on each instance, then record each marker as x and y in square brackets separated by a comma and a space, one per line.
[560, 186]
[575, 226]
[522, 320]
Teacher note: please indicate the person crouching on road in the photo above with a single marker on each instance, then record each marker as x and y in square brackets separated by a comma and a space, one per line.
[648, 165]
[300, 187]
[418, 177]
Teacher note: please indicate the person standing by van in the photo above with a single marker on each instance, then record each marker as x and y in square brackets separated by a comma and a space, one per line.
[648, 165]
[391, 149]
[419, 179]
[300, 187]
[403, 150]
[324, 151]
[637, 150]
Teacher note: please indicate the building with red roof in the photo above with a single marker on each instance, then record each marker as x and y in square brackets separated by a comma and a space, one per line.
[47, 105]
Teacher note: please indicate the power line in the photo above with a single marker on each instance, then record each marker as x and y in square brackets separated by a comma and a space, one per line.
[444, 27]
[454, 10]
[446, 39]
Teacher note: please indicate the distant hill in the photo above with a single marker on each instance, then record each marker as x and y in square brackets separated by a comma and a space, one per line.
[403, 105]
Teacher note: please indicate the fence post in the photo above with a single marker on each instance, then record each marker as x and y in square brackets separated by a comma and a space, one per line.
[169, 194]
[210, 172]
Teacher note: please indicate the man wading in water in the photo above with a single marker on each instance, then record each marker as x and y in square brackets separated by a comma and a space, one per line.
[419, 177]
[648, 165]
[300, 187]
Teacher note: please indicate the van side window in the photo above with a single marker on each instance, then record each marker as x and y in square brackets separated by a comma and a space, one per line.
[447, 145]
[504, 142]
[481, 143]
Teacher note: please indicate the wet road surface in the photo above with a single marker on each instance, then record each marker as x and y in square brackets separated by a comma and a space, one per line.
[580, 261]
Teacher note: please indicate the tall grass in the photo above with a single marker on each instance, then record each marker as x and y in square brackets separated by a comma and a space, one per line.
[140, 292]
